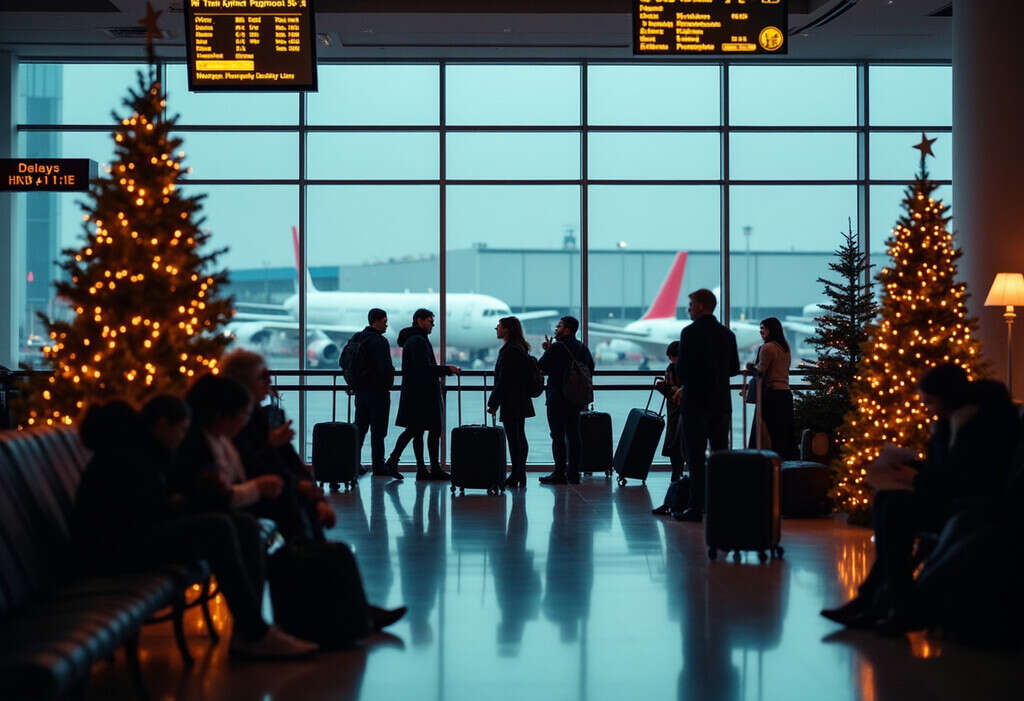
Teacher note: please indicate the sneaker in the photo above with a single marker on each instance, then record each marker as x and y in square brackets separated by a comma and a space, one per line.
[275, 643]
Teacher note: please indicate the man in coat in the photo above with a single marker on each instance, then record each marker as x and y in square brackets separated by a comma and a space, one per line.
[374, 375]
[707, 359]
[564, 417]
[420, 405]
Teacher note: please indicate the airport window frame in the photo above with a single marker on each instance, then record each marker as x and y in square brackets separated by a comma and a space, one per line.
[863, 129]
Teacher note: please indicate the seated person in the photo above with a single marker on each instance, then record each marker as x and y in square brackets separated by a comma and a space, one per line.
[968, 458]
[126, 519]
[268, 450]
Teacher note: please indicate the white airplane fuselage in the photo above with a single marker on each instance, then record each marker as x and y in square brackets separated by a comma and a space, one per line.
[471, 318]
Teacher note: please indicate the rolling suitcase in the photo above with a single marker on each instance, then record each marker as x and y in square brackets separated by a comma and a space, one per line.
[743, 503]
[478, 453]
[638, 443]
[596, 431]
[336, 449]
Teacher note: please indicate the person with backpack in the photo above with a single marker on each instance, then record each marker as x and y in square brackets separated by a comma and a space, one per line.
[517, 379]
[370, 375]
[421, 405]
[569, 367]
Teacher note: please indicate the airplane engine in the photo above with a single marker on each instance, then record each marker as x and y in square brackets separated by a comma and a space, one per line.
[323, 353]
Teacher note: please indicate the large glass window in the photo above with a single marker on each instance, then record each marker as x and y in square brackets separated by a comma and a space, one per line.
[508, 175]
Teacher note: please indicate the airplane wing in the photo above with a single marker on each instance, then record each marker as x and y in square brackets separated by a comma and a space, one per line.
[543, 314]
[612, 331]
[277, 322]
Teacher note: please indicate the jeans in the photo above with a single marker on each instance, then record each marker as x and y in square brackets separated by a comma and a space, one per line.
[518, 448]
[231, 544]
[564, 423]
[698, 431]
[373, 410]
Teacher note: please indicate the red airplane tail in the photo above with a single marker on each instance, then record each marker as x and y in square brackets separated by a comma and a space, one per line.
[667, 299]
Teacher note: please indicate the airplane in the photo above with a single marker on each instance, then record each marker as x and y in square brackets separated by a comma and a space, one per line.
[335, 315]
[649, 335]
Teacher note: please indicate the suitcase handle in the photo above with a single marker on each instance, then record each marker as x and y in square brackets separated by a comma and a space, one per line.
[661, 409]
[334, 400]
[458, 379]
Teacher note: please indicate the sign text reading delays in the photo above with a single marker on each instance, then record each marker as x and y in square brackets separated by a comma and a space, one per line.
[695, 27]
[46, 174]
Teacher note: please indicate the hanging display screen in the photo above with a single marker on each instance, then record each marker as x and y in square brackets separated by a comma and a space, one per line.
[701, 27]
[258, 45]
[46, 174]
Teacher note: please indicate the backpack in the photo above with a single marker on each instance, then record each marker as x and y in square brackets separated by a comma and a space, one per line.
[577, 387]
[536, 381]
[350, 361]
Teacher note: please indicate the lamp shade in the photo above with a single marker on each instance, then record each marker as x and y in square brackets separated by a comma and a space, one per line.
[1007, 291]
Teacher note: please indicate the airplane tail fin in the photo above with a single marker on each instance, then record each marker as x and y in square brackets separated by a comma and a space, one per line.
[310, 287]
[667, 299]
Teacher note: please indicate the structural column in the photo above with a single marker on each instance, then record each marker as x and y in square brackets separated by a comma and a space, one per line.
[11, 255]
[988, 162]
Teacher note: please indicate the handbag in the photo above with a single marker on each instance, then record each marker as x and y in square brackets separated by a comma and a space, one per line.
[750, 395]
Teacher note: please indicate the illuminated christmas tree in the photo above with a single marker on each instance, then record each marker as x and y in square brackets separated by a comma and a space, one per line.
[923, 323]
[144, 299]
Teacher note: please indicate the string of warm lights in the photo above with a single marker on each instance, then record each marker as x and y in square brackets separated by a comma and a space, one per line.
[144, 310]
[923, 322]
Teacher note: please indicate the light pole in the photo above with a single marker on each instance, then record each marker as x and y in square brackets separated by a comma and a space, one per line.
[622, 257]
[747, 231]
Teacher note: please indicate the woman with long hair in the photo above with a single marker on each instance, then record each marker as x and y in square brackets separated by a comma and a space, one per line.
[513, 378]
[775, 419]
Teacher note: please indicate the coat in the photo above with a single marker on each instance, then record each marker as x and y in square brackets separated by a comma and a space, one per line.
[555, 364]
[512, 378]
[707, 359]
[673, 437]
[420, 404]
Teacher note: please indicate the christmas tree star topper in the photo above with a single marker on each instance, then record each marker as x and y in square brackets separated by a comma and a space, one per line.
[150, 23]
[925, 147]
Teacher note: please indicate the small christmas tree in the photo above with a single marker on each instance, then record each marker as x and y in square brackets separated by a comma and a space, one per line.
[840, 334]
[923, 323]
[145, 303]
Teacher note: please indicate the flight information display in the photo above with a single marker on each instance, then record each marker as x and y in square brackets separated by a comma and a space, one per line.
[258, 45]
[46, 174]
[700, 27]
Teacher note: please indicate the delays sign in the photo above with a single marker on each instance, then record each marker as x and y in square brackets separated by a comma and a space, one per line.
[46, 174]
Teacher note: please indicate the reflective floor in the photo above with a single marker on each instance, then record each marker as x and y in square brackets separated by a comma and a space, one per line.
[578, 593]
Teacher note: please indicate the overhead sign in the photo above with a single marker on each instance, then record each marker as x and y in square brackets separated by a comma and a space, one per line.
[701, 27]
[258, 45]
[46, 174]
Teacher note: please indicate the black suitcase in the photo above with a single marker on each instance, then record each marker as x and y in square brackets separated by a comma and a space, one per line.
[478, 453]
[336, 450]
[638, 443]
[804, 489]
[743, 503]
[596, 430]
[317, 594]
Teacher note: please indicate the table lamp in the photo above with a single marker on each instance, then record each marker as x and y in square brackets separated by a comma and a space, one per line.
[1007, 291]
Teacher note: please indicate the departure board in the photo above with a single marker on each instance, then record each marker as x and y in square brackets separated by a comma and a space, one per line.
[46, 174]
[258, 45]
[696, 27]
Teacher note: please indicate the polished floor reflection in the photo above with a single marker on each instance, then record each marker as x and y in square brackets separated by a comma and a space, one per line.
[578, 593]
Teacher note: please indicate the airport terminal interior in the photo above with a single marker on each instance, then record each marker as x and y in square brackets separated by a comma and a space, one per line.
[485, 159]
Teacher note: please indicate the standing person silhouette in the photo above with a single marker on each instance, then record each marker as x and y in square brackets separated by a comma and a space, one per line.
[421, 406]
[511, 394]
[559, 356]
[775, 418]
[707, 359]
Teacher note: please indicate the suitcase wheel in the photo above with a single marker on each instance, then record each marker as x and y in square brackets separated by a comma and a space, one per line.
[622, 481]
[712, 553]
[453, 489]
[643, 482]
[353, 484]
[736, 556]
[492, 491]
[335, 487]
[607, 474]
[462, 491]
[762, 556]
[777, 552]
